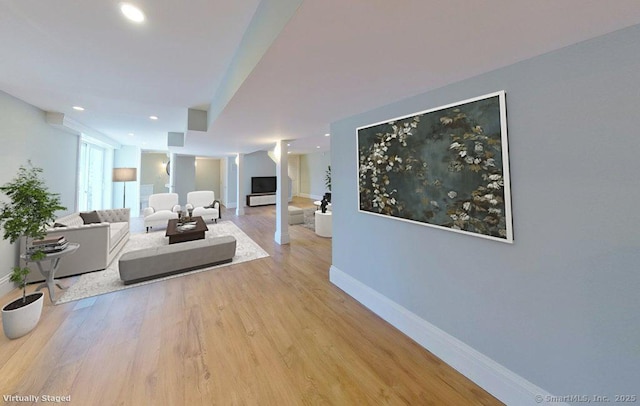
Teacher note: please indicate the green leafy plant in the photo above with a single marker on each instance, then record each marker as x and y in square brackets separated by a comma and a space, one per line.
[327, 178]
[31, 207]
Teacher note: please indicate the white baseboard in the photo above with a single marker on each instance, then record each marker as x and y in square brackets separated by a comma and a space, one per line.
[499, 381]
[6, 285]
[308, 196]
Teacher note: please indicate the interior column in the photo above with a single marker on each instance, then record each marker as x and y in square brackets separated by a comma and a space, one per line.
[240, 198]
[172, 171]
[282, 193]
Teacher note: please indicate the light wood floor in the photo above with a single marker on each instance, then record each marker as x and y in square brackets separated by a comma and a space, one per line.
[272, 331]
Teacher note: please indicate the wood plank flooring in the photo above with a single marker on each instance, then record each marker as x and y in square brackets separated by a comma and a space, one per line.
[273, 331]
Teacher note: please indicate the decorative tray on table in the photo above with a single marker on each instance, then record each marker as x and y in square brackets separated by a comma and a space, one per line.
[187, 226]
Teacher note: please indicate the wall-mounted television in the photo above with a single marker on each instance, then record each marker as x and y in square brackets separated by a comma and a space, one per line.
[263, 184]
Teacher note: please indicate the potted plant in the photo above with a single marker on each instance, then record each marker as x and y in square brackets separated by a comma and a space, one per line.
[31, 207]
[327, 183]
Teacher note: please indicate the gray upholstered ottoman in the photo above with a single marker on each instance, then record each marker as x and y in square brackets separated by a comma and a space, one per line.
[157, 262]
[296, 215]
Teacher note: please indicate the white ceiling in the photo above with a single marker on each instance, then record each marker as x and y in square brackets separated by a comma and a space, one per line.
[333, 59]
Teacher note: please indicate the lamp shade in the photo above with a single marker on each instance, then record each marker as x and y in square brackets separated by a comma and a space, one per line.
[125, 174]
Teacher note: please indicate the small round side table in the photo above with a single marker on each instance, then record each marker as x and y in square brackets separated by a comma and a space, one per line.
[50, 272]
[323, 223]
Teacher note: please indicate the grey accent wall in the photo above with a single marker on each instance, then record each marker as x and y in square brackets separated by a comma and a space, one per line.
[24, 136]
[313, 168]
[561, 306]
[208, 175]
[257, 164]
[184, 176]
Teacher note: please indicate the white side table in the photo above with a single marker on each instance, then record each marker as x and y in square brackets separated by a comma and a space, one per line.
[323, 223]
[50, 272]
[317, 203]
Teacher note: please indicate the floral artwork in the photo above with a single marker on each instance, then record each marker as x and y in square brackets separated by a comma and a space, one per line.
[446, 167]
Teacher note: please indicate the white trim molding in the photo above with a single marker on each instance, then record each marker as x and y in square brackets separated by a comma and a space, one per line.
[499, 381]
[6, 285]
[63, 122]
[308, 196]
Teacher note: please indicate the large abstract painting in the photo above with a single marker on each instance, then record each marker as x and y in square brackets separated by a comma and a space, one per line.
[446, 167]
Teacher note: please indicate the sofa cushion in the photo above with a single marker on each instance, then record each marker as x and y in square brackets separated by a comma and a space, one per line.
[114, 215]
[296, 215]
[157, 262]
[116, 232]
[206, 212]
[72, 220]
[90, 217]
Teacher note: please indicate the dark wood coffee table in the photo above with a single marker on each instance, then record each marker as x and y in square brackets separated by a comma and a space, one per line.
[177, 235]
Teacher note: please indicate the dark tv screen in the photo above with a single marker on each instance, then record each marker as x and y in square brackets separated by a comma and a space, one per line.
[263, 184]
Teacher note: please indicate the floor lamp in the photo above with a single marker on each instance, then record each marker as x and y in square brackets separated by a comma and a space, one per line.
[124, 175]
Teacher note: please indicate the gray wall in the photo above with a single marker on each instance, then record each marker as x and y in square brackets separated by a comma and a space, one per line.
[25, 135]
[208, 175]
[561, 306]
[184, 176]
[257, 164]
[313, 168]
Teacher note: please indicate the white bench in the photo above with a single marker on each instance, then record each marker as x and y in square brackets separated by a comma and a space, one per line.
[296, 215]
[157, 262]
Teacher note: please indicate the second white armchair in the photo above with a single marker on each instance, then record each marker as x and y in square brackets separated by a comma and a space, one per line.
[204, 204]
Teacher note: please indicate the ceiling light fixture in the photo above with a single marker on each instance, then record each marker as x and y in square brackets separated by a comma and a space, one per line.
[327, 134]
[153, 117]
[317, 146]
[78, 108]
[131, 134]
[132, 12]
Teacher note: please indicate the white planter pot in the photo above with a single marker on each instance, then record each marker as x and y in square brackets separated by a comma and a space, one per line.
[22, 320]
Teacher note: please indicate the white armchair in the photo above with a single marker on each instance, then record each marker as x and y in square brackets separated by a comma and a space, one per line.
[204, 204]
[162, 208]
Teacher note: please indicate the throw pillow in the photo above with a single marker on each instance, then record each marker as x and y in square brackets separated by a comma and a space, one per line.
[90, 217]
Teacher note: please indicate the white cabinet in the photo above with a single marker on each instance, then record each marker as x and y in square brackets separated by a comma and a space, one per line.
[261, 199]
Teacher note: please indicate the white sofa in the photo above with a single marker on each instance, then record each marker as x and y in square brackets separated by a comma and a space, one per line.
[99, 242]
[162, 208]
[204, 204]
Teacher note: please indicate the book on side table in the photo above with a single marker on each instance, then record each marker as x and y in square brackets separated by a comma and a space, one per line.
[49, 245]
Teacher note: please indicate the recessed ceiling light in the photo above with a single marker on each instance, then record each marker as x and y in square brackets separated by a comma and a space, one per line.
[153, 117]
[78, 108]
[317, 146]
[327, 134]
[131, 134]
[288, 145]
[132, 12]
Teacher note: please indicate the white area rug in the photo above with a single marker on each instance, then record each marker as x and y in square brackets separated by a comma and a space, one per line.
[108, 280]
[309, 219]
